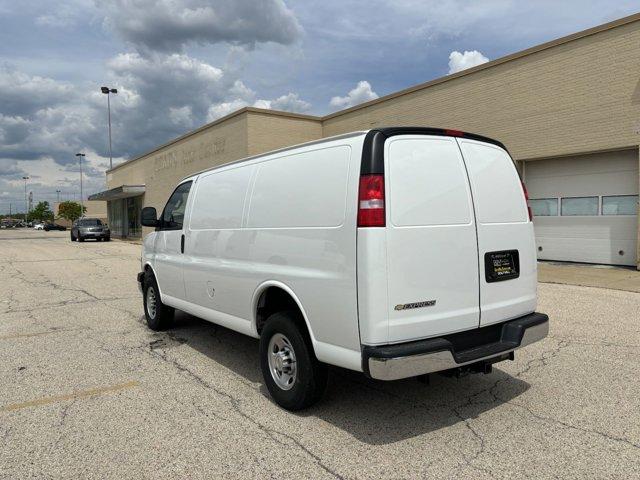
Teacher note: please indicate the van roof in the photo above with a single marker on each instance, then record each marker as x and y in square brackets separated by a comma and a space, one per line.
[384, 131]
[448, 132]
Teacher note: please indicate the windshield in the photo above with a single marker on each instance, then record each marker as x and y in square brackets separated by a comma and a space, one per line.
[89, 222]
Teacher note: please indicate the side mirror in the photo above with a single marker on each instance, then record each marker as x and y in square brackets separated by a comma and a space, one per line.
[149, 217]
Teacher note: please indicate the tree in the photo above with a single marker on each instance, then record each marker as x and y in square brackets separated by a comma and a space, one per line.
[41, 212]
[71, 210]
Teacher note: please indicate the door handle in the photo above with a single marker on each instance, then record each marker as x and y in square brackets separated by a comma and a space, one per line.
[182, 243]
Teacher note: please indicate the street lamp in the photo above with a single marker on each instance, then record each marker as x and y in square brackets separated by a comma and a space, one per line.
[80, 156]
[26, 207]
[107, 91]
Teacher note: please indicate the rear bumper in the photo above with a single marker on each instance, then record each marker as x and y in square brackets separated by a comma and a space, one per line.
[393, 362]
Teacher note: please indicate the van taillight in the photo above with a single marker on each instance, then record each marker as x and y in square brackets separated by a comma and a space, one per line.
[371, 201]
[526, 199]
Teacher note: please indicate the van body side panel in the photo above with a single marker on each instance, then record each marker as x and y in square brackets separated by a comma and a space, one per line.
[286, 218]
[301, 218]
[301, 223]
[229, 321]
[432, 254]
[503, 226]
[218, 273]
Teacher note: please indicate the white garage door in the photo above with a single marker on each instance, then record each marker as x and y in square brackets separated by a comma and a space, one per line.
[586, 207]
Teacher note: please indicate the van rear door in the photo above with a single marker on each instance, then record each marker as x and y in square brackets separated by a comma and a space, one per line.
[508, 276]
[432, 251]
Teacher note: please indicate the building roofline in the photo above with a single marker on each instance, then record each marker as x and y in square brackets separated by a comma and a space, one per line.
[218, 121]
[282, 113]
[498, 61]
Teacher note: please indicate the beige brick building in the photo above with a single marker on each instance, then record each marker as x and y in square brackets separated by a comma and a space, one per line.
[567, 110]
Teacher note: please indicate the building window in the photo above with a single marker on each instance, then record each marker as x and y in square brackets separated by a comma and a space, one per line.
[620, 205]
[116, 218]
[134, 206]
[544, 207]
[585, 206]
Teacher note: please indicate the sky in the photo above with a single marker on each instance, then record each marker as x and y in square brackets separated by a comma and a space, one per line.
[178, 64]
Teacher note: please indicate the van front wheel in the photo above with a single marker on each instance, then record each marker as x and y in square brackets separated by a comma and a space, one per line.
[294, 377]
[158, 314]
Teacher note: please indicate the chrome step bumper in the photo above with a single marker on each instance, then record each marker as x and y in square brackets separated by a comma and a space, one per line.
[393, 362]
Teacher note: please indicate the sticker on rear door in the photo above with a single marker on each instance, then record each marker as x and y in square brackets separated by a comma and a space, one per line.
[499, 266]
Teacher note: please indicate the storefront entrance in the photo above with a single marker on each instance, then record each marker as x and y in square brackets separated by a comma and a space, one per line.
[124, 217]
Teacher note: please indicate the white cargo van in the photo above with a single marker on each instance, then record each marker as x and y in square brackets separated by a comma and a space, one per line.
[396, 252]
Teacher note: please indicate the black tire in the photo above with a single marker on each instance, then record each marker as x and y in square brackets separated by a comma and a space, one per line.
[80, 238]
[73, 239]
[310, 380]
[108, 239]
[161, 317]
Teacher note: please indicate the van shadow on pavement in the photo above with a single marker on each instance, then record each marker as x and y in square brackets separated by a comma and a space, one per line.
[373, 412]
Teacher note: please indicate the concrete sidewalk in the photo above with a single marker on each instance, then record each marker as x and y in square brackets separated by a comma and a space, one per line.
[601, 276]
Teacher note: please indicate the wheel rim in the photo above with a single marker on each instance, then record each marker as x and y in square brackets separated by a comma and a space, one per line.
[282, 361]
[151, 302]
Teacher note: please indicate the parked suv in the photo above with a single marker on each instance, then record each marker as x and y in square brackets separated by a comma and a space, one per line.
[396, 252]
[84, 228]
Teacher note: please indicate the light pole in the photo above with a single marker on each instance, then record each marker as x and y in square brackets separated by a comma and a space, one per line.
[108, 91]
[25, 198]
[80, 156]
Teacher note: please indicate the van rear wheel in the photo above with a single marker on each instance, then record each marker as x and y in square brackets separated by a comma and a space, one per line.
[158, 315]
[292, 374]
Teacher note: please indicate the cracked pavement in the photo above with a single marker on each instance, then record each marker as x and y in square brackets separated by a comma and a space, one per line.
[95, 394]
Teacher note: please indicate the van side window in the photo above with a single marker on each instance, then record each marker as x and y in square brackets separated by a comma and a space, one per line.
[173, 214]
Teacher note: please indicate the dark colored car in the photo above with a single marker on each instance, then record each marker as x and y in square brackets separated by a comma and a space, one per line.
[54, 226]
[84, 228]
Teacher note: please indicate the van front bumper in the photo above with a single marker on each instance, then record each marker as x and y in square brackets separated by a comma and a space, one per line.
[487, 344]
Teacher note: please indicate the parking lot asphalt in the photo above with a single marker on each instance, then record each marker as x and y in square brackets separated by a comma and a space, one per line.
[87, 391]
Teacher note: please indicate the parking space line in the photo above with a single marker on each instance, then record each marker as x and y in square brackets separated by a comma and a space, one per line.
[34, 334]
[71, 396]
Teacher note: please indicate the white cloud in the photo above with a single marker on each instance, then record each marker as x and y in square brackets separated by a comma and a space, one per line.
[360, 94]
[461, 61]
[170, 25]
[219, 110]
[179, 66]
[290, 102]
[181, 115]
[24, 94]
